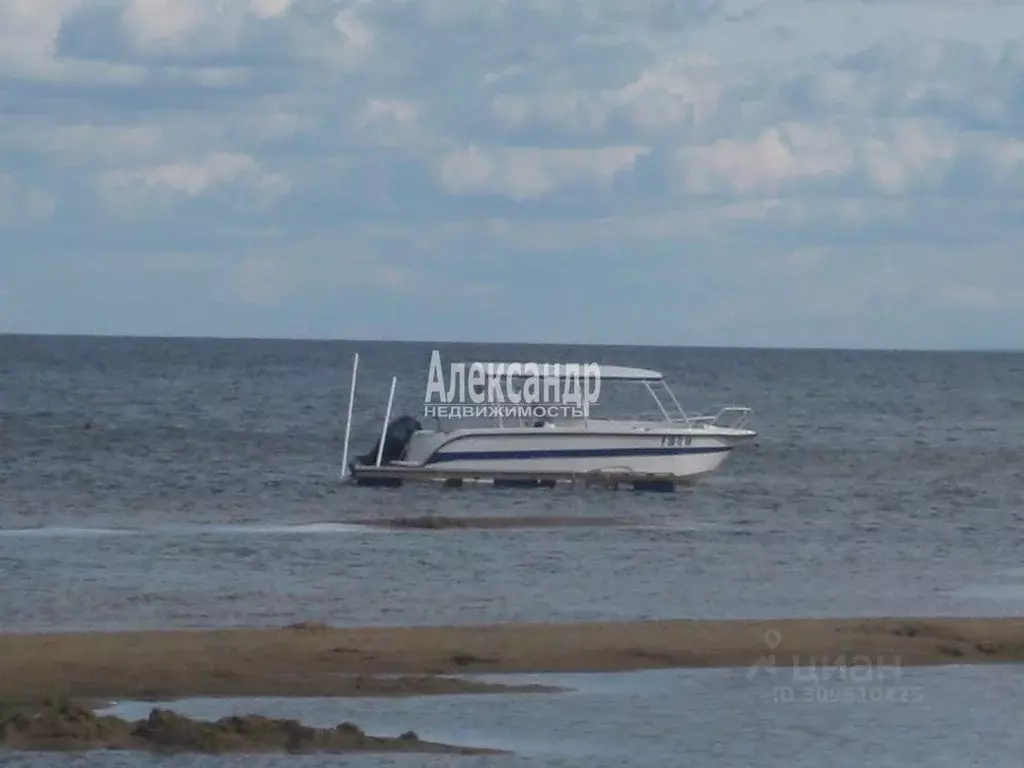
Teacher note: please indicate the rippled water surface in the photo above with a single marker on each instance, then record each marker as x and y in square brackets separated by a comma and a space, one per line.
[155, 483]
[180, 482]
[946, 718]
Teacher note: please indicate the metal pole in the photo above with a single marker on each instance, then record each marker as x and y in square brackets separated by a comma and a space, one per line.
[387, 418]
[348, 421]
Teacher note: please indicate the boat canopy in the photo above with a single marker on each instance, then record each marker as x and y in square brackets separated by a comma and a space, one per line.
[563, 371]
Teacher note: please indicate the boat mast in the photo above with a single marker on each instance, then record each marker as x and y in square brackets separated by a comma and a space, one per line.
[348, 420]
[387, 418]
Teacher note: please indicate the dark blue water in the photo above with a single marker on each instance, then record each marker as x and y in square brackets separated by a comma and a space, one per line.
[155, 483]
[161, 482]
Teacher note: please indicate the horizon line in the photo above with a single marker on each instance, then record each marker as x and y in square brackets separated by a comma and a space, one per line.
[339, 340]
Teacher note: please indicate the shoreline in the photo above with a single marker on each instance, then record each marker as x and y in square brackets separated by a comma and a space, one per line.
[312, 659]
[71, 726]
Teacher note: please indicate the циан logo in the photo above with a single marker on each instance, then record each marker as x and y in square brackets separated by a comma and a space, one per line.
[827, 679]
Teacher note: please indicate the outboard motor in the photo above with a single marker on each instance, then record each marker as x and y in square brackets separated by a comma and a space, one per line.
[396, 438]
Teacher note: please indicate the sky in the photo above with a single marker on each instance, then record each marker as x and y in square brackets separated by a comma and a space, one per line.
[824, 173]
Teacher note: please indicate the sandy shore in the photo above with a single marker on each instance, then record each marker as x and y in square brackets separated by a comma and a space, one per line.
[315, 660]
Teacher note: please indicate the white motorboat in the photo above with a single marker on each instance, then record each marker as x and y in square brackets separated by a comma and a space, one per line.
[676, 448]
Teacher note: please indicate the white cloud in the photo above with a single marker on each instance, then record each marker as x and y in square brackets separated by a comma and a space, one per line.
[523, 173]
[278, 124]
[893, 157]
[84, 142]
[30, 36]
[190, 179]
[204, 26]
[973, 296]
[29, 30]
[21, 205]
[354, 41]
[804, 135]
[317, 32]
[389, 111]
[270, 9]
[389, 122]
[777, 156]
[671, 95]
[262, 280]
[807, 259]
[162, 22]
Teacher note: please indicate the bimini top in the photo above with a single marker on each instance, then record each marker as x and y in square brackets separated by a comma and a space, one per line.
[562, 371]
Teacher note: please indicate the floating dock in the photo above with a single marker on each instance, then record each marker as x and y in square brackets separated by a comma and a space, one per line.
[396, 476]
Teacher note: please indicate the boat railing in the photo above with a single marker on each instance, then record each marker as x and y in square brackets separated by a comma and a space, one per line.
[729, 417]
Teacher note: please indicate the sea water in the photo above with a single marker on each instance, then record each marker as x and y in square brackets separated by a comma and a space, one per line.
[161, 483]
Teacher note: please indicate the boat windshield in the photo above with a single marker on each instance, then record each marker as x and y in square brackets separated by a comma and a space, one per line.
[617, 399]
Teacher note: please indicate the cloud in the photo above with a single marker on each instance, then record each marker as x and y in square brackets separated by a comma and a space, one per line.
[389, 122]
[532, 173]
[91, 142]
[355, 39]
[886, 161]
[21, 205]
[262, 280]
[975, 297]
[783, 168]
[29, 32]
[30, 46]
[191, 179]
[194, 26]
[666, 98]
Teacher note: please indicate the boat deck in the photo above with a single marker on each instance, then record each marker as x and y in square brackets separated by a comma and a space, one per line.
[396, 476]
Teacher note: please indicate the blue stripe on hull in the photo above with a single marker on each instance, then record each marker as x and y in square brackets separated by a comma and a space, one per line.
[569, 453]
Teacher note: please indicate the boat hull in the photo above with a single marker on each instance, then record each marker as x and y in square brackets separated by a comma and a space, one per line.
[677, 454]
[625, 456]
